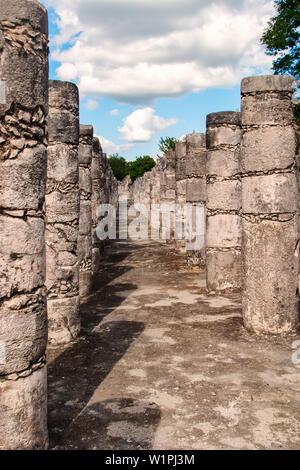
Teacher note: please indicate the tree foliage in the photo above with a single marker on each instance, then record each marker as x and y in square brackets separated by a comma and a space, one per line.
[282, 40]
[118, 166]
[135, 169]
[140, 166]
[168, 143]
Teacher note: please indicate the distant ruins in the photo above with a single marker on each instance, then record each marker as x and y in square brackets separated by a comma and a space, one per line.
[54, 176]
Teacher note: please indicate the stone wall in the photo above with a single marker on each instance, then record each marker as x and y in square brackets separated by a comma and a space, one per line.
[23, 161]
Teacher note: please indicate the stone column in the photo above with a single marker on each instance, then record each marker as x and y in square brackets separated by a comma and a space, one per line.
[167, 191]
[224, 201]
[62, 210]
[85, 152]
[155, 200]
[96, 170]
[269, 205]
[180, 189]
[196, 156]
[23, 160]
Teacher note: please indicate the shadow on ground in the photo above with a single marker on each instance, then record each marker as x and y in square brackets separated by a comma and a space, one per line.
[74, 374]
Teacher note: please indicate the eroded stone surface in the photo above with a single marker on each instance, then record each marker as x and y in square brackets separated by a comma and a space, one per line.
[23, 318]
[269, 206]
[62, 210]
[224, 202]
[162, 365]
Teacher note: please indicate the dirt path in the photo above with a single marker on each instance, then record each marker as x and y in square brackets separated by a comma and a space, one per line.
[161, 365]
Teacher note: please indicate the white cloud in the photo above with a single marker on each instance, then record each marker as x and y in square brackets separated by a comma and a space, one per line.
[110, 147]
[91, 105]
[142, 124]
[114, 112]
[136, 51]
[67, 71]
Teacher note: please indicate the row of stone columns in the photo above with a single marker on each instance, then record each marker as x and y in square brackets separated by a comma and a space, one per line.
[45, 219]
[252, 205]
[46, 233]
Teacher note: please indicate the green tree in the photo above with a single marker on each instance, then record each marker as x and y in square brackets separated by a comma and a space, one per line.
[168, 143]
[118, 166]
[140, 166]
[282, 40]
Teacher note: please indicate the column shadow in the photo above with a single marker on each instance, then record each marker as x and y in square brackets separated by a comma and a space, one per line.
[76, 372]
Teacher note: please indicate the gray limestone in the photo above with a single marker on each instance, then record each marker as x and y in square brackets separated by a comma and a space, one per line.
[62, 210]
[23, 160]
[269, 205]
[85, 154]
[224, 201]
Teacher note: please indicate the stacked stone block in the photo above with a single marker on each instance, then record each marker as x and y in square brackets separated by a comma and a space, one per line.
[155, 199]
[167, 191]
[269, 205]
[196, 156]
[85, 153]
[23, 160]
[224, 201]
[180, 190]
[62, 210]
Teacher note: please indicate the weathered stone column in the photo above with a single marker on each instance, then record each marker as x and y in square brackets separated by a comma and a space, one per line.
[180, 189]
[23, 160]
[97, 181]
[224, 201]
[85, 152]
[167, 191]
[269, 205]
[62, 210]
[196, 156]
[155, 200]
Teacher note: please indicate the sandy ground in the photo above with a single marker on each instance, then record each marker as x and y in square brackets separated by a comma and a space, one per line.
[162, 365]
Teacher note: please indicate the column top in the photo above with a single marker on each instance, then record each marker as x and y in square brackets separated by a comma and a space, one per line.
[20, 11]
[180, 149]
[196, 140]
[223, 117]
[268, 83]
[97, 148]
[63, 95]
[86, 130]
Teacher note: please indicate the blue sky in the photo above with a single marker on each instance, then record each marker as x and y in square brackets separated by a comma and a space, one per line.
[147, 69]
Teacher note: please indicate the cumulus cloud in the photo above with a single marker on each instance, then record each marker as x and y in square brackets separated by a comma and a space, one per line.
[142, 124]
[67, 71]
[136, 51]
[110, 147]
